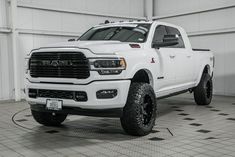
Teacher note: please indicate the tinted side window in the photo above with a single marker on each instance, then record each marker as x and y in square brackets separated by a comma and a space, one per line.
[171, 31]
[159, 33]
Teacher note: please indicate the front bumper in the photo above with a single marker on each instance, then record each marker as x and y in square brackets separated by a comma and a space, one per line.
[115, 112]
[122, 86]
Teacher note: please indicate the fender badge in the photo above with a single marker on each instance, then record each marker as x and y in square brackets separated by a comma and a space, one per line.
[152, 61]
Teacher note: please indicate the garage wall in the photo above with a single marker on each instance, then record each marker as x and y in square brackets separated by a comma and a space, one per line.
[6, 81]
[209, 26]
[41, 22]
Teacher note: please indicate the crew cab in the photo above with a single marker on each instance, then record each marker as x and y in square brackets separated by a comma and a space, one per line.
[117, 70]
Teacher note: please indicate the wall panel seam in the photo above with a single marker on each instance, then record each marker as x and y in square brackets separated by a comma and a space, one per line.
[77, 34]
[212, 32]
[192, 12]
[5, 30]
[49, 33]
[29, 6]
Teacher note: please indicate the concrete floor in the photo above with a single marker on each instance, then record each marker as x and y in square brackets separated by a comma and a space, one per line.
[182, 129]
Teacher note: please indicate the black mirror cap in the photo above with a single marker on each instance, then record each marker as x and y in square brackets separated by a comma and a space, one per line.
[70, 40]
[106, 22]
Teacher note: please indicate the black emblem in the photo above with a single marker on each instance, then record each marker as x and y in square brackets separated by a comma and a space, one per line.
[55, 63]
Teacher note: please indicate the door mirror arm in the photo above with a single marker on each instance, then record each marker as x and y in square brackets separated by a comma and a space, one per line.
[155, 45]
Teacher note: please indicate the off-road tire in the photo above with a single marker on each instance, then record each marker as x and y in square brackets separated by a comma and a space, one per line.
[139, 113]
[204, 91]
[48, 119]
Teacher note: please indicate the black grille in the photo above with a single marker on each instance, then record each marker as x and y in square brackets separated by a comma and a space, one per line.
[55, 94]
[59, 94]
[59, 65]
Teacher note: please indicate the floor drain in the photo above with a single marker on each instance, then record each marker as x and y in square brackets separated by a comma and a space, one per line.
[231, 119]
[52, 131]
[210, 138]
[156, 139]
[195, 124]
[203, 131]
[183, 114]
[189, 119]
[223, 114]
[215, 110]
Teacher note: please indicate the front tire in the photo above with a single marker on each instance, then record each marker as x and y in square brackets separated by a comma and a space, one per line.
[139, 113]
[48, 119]
[204, 91]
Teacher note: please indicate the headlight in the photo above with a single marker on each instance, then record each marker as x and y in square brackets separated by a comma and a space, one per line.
[109, 66]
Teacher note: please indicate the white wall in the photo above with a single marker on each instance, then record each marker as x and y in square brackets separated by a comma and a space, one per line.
[6, 81]
[210, 24]
[41, 22]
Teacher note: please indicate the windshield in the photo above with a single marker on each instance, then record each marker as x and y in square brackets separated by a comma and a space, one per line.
[125, 33]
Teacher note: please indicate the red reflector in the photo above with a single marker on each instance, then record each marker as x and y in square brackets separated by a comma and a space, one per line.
[134, 45]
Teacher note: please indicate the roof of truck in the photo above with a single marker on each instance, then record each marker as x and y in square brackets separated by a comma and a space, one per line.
[126, 22]
[131, 22]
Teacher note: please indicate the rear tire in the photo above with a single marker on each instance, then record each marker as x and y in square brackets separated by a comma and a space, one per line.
[139, 113]
[48, 119]
[203, 92]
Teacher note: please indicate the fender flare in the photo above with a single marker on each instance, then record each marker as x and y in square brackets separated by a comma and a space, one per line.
[201, 72]
[146, 69]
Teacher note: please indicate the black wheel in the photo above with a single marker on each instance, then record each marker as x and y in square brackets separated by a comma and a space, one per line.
[203, 92]
[139, 113]
[48, 119]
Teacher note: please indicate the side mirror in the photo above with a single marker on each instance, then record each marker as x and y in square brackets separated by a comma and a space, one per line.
[71, 40]
[168, 40]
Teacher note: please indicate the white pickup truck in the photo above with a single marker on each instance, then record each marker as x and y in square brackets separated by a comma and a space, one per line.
[117, 70]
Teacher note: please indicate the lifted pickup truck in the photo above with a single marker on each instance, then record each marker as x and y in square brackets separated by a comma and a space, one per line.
[117, 70]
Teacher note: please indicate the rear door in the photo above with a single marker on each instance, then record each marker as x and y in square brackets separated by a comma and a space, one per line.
[183, 59]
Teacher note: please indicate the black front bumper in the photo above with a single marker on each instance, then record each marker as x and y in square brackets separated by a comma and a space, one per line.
[116, 112]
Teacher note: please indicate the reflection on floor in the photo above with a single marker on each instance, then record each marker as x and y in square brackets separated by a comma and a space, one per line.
[182, 129]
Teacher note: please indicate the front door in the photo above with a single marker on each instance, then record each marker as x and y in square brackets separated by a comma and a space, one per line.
[166, 74]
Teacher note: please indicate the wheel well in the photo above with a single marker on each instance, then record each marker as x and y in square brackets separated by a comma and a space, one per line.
[206, 70]
[141, 76]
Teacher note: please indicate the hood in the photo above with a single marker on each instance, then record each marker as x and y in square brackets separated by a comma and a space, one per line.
[97, 47]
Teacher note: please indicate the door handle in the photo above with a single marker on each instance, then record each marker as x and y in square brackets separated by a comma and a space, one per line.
[172, 56]
[189, 56]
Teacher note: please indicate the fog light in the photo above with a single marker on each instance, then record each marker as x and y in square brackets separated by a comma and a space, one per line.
[109, 72]
[80, 96]
[33, 93]
[106, 94]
